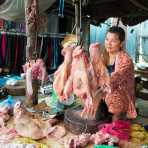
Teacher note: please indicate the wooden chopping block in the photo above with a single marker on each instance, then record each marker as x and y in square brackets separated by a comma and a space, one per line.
[18, 90]
[74, 123]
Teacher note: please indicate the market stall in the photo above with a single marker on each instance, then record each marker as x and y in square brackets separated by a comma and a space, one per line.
[61, 109]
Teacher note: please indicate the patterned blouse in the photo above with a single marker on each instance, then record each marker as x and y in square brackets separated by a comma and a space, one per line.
[121, 95]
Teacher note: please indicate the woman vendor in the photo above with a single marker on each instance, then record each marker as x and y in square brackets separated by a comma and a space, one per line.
[118, 83]
[120, 97]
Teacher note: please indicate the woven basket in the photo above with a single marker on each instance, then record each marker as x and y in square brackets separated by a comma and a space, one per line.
[77, 125]
[18, 90]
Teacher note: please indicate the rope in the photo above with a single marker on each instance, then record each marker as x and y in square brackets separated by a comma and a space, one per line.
[81, 32]
[73, 29]
[41, 46]
[35, 50]
[80, 15]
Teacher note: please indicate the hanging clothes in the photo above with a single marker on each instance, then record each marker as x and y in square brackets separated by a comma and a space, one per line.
[51, 51]
[9, 25]
[61, 8]
[19, 51]
[2, 22]
[0, 51]
[12, 52]
[20, 27]
[8, 48]
[3, 47]
[55, 42]
[13, 46]
[11, 49]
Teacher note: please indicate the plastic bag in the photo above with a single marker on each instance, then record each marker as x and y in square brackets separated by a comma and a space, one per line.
[7, 105]
[29, 141]
[54, 103]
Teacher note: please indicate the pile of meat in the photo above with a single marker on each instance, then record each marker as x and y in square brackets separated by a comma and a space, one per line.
[110, 134]
[84, 139]
[81, 75]
[28, 126]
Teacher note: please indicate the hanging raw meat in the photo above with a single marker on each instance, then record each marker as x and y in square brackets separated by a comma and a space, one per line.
[68, 89]
[97, 77]
[77, 75]
[29, 81]
[38, 70]
[63, 72]
[83, 82]
[78, 82]
[98, 64]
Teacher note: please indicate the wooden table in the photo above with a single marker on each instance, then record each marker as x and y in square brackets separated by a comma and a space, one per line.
[141, 83]
[141, 73]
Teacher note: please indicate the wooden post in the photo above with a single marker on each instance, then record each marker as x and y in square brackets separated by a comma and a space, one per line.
[31, 17]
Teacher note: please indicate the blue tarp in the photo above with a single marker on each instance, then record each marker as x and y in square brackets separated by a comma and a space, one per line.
[3, 79]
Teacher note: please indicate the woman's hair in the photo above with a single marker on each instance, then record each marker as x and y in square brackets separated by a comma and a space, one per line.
[119, 31]
[121, 34]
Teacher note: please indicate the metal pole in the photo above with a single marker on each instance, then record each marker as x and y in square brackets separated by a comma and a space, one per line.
[77, 19]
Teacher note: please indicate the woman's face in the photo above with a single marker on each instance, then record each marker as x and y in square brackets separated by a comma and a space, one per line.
[112, 43]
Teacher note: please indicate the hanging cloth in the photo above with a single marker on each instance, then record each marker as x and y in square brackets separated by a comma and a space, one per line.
[8, 48]
[23, 48]
[21, 52]
[9, 25]
[12, 51]
[22, 27]
[0, 50]
[49, 54]
[61, 8]
[3, 47]
[16, 52]
[2, 24]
